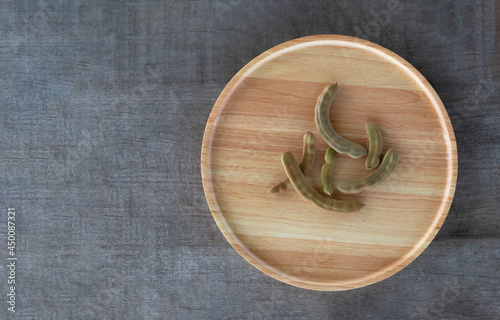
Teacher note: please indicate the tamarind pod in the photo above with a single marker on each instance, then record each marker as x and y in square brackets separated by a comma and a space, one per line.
[387, 166]
[375, 146]
[327, 169]
[322, 119]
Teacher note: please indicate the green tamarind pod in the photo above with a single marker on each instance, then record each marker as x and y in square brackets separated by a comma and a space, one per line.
[375, 146]
[327, 169]
[387, 166]
[322, 118]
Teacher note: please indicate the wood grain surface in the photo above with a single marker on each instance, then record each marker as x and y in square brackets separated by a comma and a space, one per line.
[265, 110]
[104, 107]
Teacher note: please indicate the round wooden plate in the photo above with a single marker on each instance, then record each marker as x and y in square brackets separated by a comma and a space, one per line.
[266, 109]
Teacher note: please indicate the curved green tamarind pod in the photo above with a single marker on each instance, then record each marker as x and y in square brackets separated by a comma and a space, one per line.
[322, 118]
[308, 155]
[306, 190]
[387, 166]
[308, 152]
[327, 169]
[375, 145]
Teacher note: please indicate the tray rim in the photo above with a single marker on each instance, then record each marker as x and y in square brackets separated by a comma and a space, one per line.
[386, 272]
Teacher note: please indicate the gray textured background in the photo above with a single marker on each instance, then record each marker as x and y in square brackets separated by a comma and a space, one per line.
[103, 109]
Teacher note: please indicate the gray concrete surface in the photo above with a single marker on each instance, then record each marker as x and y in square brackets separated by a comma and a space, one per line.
[102, 112]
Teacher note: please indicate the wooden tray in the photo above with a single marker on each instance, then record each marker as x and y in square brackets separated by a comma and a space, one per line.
[266, 109]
